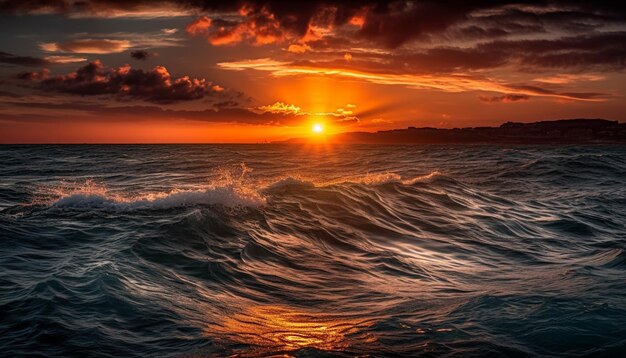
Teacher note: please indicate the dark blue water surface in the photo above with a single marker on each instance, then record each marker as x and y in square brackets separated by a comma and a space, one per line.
[262, 250]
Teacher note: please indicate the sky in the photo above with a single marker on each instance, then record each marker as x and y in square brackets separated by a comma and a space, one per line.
[193, 71]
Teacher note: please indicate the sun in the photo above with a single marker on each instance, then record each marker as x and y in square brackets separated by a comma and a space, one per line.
[317, 128]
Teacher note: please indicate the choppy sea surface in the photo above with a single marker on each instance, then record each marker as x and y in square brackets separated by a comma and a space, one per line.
[263, 250]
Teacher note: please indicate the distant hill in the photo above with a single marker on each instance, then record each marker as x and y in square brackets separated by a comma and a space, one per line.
[564, 131]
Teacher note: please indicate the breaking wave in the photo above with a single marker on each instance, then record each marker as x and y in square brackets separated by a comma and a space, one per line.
[231, 193]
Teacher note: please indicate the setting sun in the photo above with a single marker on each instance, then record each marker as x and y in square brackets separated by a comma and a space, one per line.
[317, 128]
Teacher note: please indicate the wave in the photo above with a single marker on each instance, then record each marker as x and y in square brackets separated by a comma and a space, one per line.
[386, 178]
[90, 194]
[368, 249]
[178, 198]
[226, 191]
[369, 179]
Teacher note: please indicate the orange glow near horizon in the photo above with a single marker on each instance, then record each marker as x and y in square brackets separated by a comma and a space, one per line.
[149, 132]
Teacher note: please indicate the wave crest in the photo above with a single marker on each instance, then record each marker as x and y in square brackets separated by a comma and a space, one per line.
[88, 194]
[228, 189]
[370, 179]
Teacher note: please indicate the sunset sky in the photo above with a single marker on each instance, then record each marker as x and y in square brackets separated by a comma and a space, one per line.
[248, 71]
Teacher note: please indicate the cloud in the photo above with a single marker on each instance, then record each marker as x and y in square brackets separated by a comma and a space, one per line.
[34, 76]
[169, 31]
[399, 22]
[29, 61]
[391, 24]
[139, 40]
[98, 8]
[505, 98]
[199, 26]
[602, 51]
[22, 60]
[65, 59]
[261, 64]
[299, 48]
[229, 112]
[93, 46]
[258, 27]
[124, 82]
[596, 51]
[280, 107]
[568, 78]
[141, 55]
[284, 109]
[453, 82]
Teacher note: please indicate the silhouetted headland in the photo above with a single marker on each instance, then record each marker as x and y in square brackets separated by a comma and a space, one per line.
[565, 131]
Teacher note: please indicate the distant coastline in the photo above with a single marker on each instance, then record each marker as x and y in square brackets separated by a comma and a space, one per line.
[564, 131]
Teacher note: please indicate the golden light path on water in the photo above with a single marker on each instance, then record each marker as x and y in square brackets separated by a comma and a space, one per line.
[282, 328]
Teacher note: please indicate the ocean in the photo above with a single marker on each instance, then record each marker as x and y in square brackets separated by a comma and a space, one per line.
[312, 250]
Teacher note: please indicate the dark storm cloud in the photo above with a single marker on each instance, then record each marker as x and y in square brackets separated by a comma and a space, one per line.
[141, 55]
[399, 22]
[125, 82]
[391, 23]
[22, 60]
[565, 15]
[600, 50]
[596, 51]
[546, 91]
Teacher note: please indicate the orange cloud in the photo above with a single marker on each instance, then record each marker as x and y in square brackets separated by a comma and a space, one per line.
[261, 64]
[568, 78]
[444, 82]
[357, 20]
[259, 27]
[280, 108]
[340, 116]
[299, 48]
[64, 59]
[199, 26]
[313, 33]
[226, 36]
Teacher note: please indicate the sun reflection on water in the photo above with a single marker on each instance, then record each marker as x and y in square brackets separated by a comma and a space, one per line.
[281, 328]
